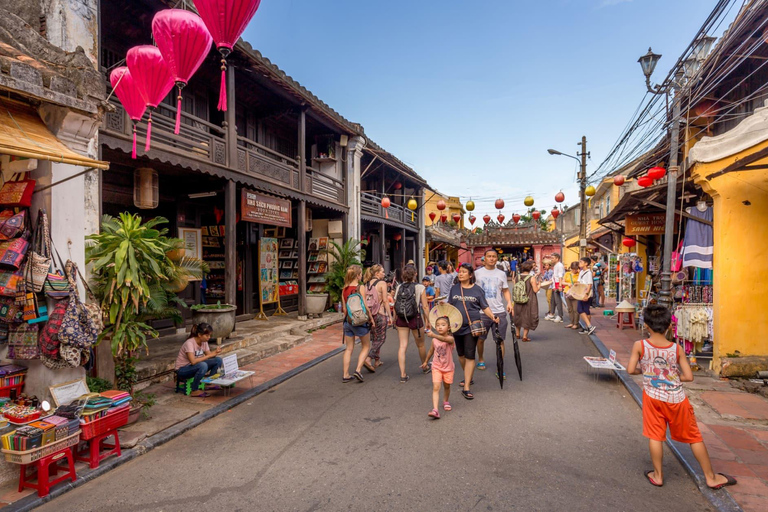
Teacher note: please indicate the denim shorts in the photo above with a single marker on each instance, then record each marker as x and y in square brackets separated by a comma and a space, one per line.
[356, 330]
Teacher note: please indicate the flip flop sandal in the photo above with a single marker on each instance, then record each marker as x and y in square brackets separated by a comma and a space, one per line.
[447, 406]
[731, 481]
[467, 394]
[215, 387]
[652, 481]
[471, 383]
[370, 368]
[434, 414]
[358, 376]
[526, 339]
[347, 379]
[201, 395]
[480, 366]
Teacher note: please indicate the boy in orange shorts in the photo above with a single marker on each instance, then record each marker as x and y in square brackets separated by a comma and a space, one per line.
[664, 368]
[442, 364]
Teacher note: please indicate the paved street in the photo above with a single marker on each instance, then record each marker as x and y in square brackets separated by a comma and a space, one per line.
[556, 441]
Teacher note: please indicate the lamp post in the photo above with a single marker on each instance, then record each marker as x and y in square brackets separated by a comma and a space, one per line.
[582, 192]
[648, 64]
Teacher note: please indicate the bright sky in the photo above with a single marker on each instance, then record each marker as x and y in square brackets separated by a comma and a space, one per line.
[471, 94]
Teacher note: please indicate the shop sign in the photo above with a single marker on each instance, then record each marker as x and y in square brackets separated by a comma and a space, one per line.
[645, 224]
[265, 210]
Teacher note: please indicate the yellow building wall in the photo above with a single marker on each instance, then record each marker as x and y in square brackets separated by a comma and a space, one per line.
[570, 254]
[741, 248]
[453, 205]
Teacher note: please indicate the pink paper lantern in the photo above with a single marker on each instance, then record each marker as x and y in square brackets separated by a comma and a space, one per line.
[128, 93]
[184, 42]
[152, 77]
[226, 20]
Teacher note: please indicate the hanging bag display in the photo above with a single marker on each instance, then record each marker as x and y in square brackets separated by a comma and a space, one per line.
[22, 341]
[92, 304]
[12, 224]
[17, 192]
[12, 252]
[77, 327]
[11, 282]
[39, 261]
[49, 337]
[56, 283]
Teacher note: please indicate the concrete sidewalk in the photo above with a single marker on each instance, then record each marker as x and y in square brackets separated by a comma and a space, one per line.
[734, 423]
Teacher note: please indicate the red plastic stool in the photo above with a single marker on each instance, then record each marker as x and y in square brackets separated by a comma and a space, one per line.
[625, 319]
[96, 446]
[45, 467]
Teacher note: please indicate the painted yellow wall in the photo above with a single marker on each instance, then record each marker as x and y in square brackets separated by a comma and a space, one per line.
[453, 205]
[741, 247]
[570, 254]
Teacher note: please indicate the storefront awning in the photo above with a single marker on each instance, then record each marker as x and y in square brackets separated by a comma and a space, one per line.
[23, 134]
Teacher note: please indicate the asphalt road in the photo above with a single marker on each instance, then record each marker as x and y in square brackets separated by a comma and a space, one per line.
[558, 440]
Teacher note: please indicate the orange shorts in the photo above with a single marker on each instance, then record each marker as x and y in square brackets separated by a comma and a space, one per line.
[438, 376]
[680, 418]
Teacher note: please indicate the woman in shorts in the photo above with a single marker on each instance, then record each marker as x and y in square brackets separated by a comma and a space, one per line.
[410, 324]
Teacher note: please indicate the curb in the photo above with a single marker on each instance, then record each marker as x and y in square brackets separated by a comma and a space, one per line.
[33, 500]
[721, 500]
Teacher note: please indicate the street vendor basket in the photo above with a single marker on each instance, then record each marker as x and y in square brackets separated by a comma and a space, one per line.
[103, 425]
[30, 456]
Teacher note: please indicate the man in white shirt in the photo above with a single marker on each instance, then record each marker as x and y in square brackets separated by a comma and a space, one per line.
[556, 305]
[494, 283]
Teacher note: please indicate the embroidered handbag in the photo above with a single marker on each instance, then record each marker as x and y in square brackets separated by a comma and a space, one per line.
[22, 341]
[10, 311]
[12, 252]
[39, 261]
[17, 192]
[92, 304]
[11, 282]
[56, 284]
[12, 224]
[77, 327]
[49, 337]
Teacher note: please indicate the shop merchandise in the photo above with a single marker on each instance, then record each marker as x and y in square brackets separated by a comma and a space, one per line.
[698, 244]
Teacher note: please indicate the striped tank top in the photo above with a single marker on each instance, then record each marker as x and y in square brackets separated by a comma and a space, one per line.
[661, 374]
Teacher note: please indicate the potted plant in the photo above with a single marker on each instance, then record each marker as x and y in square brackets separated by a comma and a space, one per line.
[343, 256]
[220, 316]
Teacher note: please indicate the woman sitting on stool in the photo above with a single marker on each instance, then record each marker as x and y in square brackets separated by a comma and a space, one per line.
[196, 360]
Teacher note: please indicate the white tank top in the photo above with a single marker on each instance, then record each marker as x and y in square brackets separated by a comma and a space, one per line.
[661, 374]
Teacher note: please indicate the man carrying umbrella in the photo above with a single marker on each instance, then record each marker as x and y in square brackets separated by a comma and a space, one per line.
[494, 283]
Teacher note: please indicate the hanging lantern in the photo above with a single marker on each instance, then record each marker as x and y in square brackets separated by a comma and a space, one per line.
[152, 76]
[645, 181]
[441, 205]
[470, 206]
[184, 42]
[432, 216]
[560, 197]
[472, 220]
[145, 188]
[226, 20]
[456, 217]
[412, 205]
[397, 237]
[618, 180]
[706, 109]
[515, 218]
[500, 218]
[499, 204]
[443, 217]
[628, 242]
[555, 213]
[486, 218]
[536, 214]
[385, 203]
[590, 191]
[528, 201]
[397, 185]
[656, 173]
[128, 93]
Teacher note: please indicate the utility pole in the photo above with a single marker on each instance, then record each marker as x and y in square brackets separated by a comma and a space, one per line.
[583, 198]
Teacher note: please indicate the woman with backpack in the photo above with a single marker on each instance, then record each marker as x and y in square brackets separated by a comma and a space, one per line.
[526, 301]
[411, 310]
[469, 299]
[377, 301]
[357, 321]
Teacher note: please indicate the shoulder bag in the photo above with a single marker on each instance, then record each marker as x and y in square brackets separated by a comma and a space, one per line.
[22, 341]
[12, 224]
[476, 326]
[91, 304]
[17, 192]
[78, 329]
[56, 284]
[39, 261]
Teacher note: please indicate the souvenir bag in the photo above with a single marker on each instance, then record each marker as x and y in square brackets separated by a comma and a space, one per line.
[49, 337]
[77, 327]
[10, 311]
[3, 333]
[39, 261]
[12, 224]
[22, 341]
[12, 252]
[11, 282]
[17, 192]
[476, 326]
[56, 283]
[676, 260]
[92, 304]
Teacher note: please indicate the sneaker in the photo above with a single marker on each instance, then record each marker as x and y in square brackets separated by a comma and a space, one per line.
[591, 329]
[404, 379]
[358, 376]
[558, 320]
[584, 331]
[549, 317]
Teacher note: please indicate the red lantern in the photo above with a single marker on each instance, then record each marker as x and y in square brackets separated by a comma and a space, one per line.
[397, 237]
[656, 173]
[456, 218]
[628, 242]
[706, 109]
[555, 212]
[536, 214]
[499, 204]
[472, 220]
[432, 216]
[385, 203]
[645, 181]
[443, 217]
[486, 218]
[618, 180]
[500, 218]
[226, 20]
[398, 185]
[441, 205]
[515, 218]
[184, 42]
[128, 93]
[559, 197]
[152, 76]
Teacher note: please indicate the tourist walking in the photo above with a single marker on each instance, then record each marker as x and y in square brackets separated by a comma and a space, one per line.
[556, 303]
[513, 268]
[443, 281]
[585, 277]
[598, 291]
[570, 279]
[526, 301]
[411, 309]
[441, 353]
[494, 283]
[355, 324]
[469, 299]
[376, 300]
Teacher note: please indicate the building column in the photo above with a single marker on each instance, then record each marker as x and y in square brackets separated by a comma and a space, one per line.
[302, 234]
[383, 250]
[302, 148]
[421, 238]
[230, 242]
[230, 123]
[353, 170]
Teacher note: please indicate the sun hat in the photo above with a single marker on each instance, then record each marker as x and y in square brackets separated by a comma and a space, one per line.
[454, 316]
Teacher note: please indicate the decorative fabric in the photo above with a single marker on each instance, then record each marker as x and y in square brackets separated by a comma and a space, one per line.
[699, 242]
[77, 327]
[10, 312]
[92, 305]
[39, 261]
[11, 282]
[12, 224]
[49, 337]
[12, 252]
[56, 285]
[22, 342]
[17, 193]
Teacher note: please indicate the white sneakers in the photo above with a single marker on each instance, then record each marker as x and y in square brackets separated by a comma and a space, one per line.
[549, 317]
[558, 320]
[553, 318]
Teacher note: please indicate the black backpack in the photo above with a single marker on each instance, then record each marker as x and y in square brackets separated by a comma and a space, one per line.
[406, 306]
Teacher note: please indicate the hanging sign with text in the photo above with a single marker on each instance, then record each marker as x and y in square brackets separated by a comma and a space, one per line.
[645, 224]
[265, 210]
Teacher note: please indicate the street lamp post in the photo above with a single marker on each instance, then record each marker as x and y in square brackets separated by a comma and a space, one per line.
[582, 192]
[648, 64]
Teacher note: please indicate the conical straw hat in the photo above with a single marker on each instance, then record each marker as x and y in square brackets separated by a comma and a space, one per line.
[454, 316]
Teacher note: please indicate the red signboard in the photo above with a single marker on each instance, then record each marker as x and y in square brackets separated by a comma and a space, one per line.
[265, 210]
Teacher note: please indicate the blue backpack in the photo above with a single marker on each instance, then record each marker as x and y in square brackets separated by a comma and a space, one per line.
[356, 313]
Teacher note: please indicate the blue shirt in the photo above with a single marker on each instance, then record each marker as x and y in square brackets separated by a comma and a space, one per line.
[513, 266]
[430, 291]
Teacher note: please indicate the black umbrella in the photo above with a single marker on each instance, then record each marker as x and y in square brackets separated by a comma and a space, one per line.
[518, 361]
[499, 356]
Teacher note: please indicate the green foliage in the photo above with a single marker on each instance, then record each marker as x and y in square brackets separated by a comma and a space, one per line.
[98, 385]
[125, 372]
[218, 305]
[344, 256]
[528, 218]
[146, 401]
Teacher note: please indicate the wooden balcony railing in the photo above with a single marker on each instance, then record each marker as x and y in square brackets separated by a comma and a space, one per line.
[324, 186]
[258, 160]
[371, 205]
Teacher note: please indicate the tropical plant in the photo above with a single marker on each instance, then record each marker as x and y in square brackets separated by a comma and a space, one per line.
[344, 256]
[98, 385]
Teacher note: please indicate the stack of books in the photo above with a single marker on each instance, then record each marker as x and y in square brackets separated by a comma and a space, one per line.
[118, 397]
[23, 439]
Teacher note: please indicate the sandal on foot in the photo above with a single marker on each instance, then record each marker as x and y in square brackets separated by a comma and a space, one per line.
[480, 366]
[201, 395]
[214, 388]
[652, 481]
[526, 339]
[467, 394]
[730, 481]
[404, 379]
[347, 379]
[447, 406]
[369, 367]
[434, 414]
[358, 376]
[471, 383]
